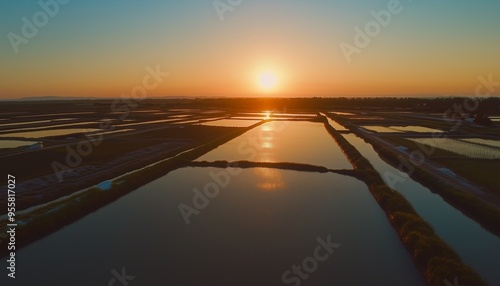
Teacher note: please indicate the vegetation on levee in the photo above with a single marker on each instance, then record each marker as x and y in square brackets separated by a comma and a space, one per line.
[435, 259]
[471, 205]
[48, 219]
[484, 213]
[274, 165]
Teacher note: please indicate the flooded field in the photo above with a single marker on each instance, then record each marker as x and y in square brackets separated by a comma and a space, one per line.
[49, 126]
[112, 132]
[249, 118]
[248, 225]
[400, 129]
[5, 144]
[335, 125]
[147, 122]
[47, 133]
[282, 141]
[485, 142]
[256, 224]
[466, 147]
[293, 115]
[344, 113]
[34, 122]
[56, 114]
[208, 143]
[231, 123]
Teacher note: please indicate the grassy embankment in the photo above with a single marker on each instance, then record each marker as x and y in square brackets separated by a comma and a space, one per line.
[275, 165]
[472, 206]
[48, 219]
[435, 259]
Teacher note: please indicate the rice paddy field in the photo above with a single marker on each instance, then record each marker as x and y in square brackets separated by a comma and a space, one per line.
[471, 148]
[215, 136]
[400, 129]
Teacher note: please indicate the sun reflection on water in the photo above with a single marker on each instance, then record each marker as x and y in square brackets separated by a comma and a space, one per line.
[269, 180]
[268, 115]
[267, 145]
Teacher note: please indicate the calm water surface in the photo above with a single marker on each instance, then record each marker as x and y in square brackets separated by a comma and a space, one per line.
[284, 141]
[231, 123]
[249, 234]
[257, 224]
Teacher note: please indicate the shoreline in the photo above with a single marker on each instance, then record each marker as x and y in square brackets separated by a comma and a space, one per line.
[433, 257]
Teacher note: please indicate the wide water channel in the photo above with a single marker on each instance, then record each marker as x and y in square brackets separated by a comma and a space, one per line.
[256, 224]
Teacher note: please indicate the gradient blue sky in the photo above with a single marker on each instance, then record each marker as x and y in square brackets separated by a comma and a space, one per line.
[101, 48]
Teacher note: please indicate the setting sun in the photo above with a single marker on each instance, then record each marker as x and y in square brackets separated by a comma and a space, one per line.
[267, 81]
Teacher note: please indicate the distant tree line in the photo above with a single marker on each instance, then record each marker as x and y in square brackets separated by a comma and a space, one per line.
[441, 104]
[487, 106]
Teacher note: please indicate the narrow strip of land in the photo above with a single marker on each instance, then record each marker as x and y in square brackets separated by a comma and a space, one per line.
[274, 165]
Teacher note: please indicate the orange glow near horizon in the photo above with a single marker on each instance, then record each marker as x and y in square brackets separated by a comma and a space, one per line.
[279, 49]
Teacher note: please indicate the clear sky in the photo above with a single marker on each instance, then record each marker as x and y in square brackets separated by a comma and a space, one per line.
[259, 48]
